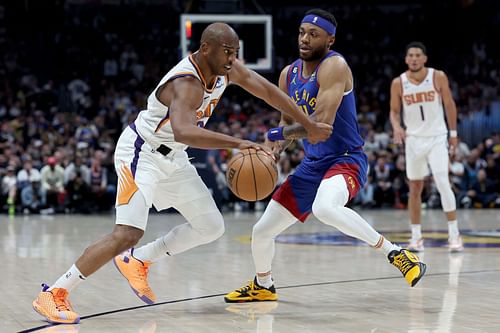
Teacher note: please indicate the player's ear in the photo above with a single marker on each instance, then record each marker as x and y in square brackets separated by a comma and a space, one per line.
[204, 47]
[331, 40]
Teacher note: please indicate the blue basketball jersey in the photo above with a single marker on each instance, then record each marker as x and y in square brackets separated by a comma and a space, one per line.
[345, 136]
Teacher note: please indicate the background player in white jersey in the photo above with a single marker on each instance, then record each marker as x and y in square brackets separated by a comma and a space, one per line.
[421, 92]
[154, 169]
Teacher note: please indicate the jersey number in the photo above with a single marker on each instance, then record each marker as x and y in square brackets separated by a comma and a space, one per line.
[422, 112]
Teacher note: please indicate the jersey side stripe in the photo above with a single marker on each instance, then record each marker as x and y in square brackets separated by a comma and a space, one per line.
[163, 122]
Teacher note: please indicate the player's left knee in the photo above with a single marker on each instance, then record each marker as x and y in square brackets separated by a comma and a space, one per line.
[325, 210]
[443, 185]
[211, 226]
[442, 181]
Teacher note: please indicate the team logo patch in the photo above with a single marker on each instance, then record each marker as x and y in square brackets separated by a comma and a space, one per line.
[436, 239]
[351, 182]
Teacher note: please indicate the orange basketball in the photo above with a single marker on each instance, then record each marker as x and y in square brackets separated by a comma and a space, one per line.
[251, 174]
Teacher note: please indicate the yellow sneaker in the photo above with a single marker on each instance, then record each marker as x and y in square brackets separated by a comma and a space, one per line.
[252, 293]
[409, 264]
[136, 273]
[55, 306]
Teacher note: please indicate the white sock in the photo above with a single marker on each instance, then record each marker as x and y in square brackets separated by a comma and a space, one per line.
[387, 247]
[69, 280]
[152, 251]
[453, 229]
[265, 281]
[416, 231]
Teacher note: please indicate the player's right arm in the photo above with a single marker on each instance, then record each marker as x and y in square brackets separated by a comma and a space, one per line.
[278, 146]
[260, 87]
[285, 119]
[183, 98]
[395, 114]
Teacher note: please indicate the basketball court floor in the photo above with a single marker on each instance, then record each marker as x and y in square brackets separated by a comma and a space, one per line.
[326, 282]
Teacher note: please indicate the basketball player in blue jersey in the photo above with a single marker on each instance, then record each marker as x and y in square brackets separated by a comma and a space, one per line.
[154, 169]
[331, 173]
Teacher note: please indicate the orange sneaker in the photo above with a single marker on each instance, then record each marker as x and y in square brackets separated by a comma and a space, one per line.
[55, 306]
[136, 273]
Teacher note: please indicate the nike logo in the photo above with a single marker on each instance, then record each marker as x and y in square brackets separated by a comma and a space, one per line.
[204, 98]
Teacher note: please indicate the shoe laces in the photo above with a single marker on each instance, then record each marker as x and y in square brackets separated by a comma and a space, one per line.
[142, 271]
[247, 288]
[61, 302]
[403, 263]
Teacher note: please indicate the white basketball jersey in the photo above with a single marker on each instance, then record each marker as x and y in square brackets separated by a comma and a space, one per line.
[423, 112]
[153, 124]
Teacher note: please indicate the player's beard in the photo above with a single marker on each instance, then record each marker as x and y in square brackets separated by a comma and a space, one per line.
[314, 55]
[416, 70]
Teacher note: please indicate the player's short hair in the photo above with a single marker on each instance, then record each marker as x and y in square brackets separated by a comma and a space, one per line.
[324, 14]
[418, 45]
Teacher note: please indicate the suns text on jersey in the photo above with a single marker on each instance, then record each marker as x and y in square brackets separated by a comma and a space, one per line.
[426, 96]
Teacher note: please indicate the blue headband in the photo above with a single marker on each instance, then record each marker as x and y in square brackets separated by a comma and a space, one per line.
[320, 22]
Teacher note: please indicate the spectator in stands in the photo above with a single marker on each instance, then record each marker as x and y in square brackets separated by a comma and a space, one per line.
[472, 165]
[99, 183]
[27, 175]
[52, 186]
[74, 167]
[462, 150]
[31, 197]
[78, 192]
[400, 183]
[482, 192]
[384, 192]
[9, 189]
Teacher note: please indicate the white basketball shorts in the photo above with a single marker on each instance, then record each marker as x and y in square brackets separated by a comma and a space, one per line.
[164, 181]
[422, 152]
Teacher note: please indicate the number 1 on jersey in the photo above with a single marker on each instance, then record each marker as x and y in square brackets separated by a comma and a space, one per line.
[422, 112]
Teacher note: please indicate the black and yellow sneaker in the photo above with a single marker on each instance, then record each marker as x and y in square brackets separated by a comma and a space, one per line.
[409, 264]
[252, 293]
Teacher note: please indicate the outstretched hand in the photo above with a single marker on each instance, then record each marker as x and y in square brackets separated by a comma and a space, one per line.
[319, 132]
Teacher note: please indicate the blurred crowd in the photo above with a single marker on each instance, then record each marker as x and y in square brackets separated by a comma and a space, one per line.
[69, 88]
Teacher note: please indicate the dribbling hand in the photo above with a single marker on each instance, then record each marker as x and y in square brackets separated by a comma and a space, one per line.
[250, 144]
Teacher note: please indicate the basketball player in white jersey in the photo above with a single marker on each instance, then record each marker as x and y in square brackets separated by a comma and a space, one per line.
[154, 169]
[420, 93]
